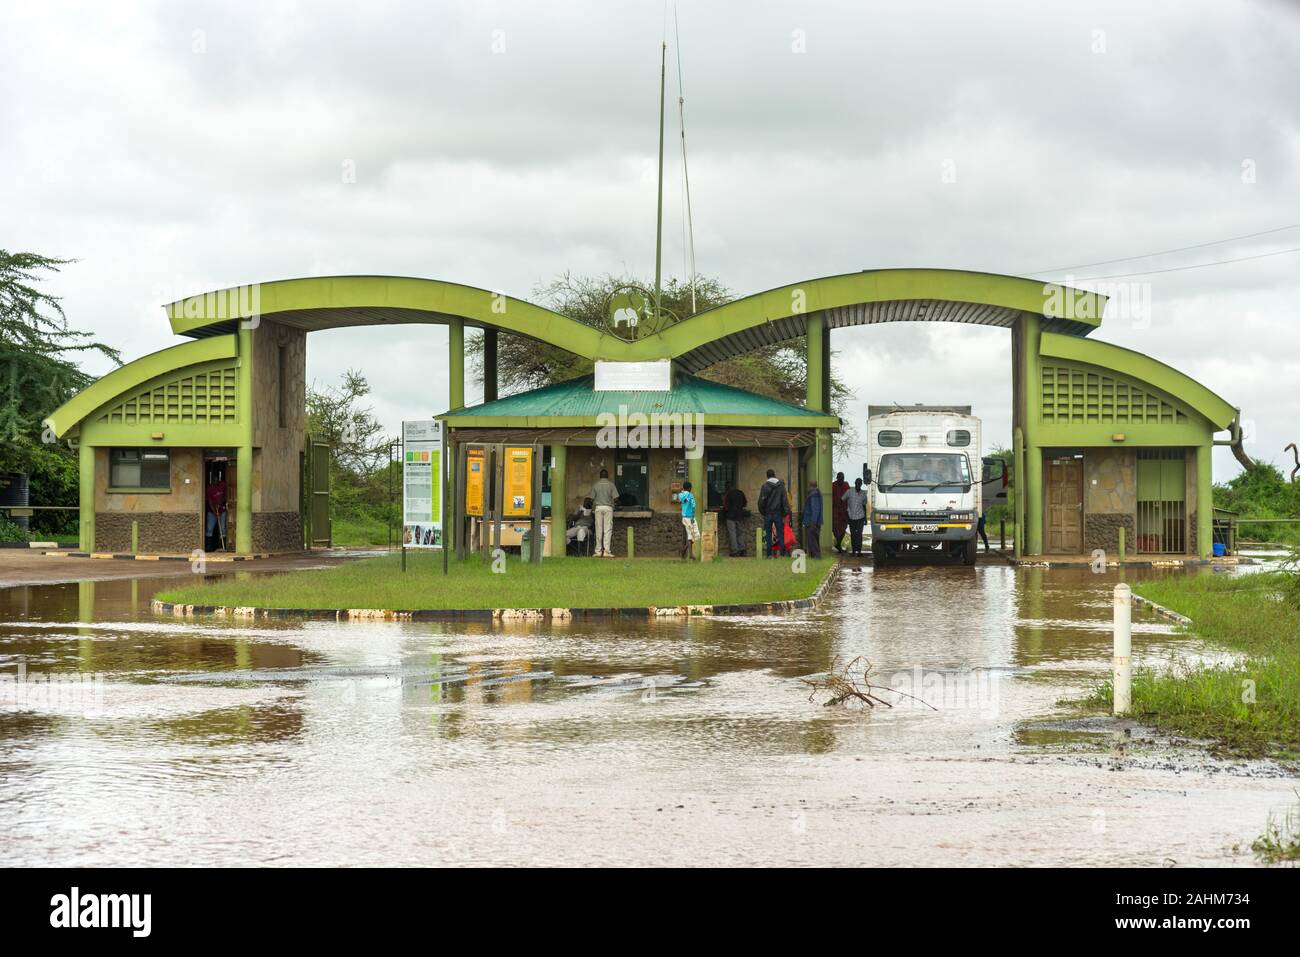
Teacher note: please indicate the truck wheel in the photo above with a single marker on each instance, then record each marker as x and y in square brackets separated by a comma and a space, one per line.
[879, 554]
[969, 553]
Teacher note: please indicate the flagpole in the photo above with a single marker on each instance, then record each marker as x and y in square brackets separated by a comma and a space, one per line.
[659, 219]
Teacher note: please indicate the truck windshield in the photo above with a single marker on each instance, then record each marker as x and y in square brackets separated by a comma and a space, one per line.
[922, 469]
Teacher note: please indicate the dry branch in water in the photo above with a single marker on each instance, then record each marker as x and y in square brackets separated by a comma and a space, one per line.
[842, 685]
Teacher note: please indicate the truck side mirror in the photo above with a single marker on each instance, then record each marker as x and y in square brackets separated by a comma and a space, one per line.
[866, 475]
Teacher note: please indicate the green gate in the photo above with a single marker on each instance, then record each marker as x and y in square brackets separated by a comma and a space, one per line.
[316, 492]
[1161, 502]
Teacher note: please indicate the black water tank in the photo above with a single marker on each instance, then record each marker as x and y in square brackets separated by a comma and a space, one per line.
[14, 491]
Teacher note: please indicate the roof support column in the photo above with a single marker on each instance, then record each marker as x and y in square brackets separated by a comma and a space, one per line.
[696, 469]
[489, 365]
[86, 513]
[456, 364]
[244, 460]
[1205, 500]
[822, 472]
[1031, 392]
[559, 500]
[815, 341]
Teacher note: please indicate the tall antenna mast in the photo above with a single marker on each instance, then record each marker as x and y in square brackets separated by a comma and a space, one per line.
[688, 227]
[659, 218]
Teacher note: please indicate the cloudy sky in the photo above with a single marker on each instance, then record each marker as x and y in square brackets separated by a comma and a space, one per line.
[177, 147]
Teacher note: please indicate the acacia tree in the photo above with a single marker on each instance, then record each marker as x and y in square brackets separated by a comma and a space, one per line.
[779, 371]
[37, 375]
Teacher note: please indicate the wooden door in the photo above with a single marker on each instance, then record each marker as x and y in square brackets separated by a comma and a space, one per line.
[1064, 518]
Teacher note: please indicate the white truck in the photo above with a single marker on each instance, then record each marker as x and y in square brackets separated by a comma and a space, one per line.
[924, 490]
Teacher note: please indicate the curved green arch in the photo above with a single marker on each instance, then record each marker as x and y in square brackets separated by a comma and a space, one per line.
[1142, 367]
[135, 373]
[329, 302]
[933, 294]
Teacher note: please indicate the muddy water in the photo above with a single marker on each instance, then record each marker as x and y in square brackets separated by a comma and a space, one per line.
[628, 742]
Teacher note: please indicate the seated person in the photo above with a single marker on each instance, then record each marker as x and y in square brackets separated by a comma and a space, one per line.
[584, 522]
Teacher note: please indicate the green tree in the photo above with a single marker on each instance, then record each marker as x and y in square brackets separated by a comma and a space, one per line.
[37, 375]
[779, 371]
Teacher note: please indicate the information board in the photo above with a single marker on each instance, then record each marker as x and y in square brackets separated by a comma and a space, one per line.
[517, 502]
[422, 484]
[475, 481]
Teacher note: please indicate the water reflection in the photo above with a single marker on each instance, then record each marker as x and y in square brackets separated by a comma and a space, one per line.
[368, 742]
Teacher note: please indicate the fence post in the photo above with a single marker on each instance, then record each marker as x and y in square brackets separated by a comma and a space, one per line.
[135, 536]
[758, 543]
[1122, 662]
[1121, 544]
[631, 543]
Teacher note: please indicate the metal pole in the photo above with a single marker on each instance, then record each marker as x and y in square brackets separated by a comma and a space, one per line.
[1002, 531]
[1122, 662]
[659, 217]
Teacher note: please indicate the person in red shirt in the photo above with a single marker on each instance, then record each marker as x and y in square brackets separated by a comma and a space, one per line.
[839, 511]
[216, 495]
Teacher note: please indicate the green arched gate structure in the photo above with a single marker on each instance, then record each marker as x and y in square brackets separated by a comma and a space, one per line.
[1094, 412]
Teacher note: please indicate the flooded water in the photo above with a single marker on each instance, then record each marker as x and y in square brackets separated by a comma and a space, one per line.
[625, 742]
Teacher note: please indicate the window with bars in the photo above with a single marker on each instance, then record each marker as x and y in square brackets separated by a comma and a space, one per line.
[140, 469]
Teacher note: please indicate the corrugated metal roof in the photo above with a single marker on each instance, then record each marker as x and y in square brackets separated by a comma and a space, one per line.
[690, 394]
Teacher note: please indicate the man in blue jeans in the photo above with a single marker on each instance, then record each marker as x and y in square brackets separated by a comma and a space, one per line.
[811, 520]
[774, 507]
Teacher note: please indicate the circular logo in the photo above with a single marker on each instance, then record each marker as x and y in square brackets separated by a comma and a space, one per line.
[630, 313]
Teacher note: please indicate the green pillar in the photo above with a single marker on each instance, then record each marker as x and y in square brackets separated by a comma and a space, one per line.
[695, 468]
[559, 499]
[1205, 501]
[827, 395]
[244, 460]
[451, 528]
[824, 471]
[816, 380]
[489, 365]
[1031, 390]
[86, 455]
[1017, 486]
[456, 364]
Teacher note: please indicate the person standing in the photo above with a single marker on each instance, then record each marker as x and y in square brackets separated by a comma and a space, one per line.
[855, 501]
[687, 500]
[982, 533]
[216, 517]
[734, 504]
[839, 511]
[604, 494]
[774, 507]
[811, 521]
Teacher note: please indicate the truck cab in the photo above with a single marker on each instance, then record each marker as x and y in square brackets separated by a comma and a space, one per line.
[924, 476]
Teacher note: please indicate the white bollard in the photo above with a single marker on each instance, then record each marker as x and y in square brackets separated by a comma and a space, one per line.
[1122, 663]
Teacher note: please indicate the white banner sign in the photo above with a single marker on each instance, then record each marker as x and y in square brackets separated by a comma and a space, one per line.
[422, 484]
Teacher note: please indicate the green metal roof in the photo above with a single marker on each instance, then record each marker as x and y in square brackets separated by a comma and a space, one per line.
[577, 401]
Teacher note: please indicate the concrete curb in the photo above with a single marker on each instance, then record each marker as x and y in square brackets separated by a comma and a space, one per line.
[497, 614]
[128, 557]
[1161, 610]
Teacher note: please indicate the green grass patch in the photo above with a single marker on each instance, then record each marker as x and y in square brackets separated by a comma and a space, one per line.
[563, 583]
[1251, 708]
[360, 529]
[1280, 841]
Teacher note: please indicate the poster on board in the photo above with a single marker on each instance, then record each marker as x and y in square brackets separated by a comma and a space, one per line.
[517, 501]
[475, 480]
[422, 484]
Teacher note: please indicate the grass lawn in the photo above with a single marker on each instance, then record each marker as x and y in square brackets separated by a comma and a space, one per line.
[1247, 613]
[564, 583]
[360, 530]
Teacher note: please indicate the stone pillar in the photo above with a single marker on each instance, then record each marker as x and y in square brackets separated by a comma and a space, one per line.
[86, 513]
[559, 499]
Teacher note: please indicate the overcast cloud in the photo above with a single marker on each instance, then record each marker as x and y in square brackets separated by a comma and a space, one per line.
[177, 147]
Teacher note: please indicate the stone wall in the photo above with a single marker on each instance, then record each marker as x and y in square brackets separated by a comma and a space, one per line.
[277, 532]
[1101, 530]
[177, 532]
[1109, 482]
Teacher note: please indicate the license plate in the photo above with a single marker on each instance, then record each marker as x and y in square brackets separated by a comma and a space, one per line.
[925, 528]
